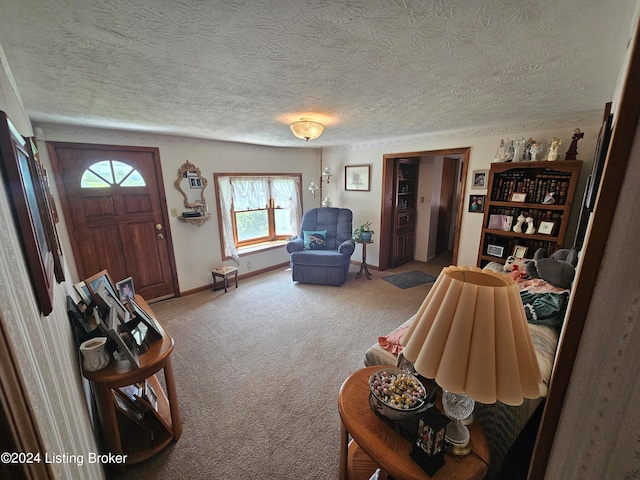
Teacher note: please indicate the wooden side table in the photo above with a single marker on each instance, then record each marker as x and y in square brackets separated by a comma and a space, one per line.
[363, 266]
[125, 438]
[375, 444]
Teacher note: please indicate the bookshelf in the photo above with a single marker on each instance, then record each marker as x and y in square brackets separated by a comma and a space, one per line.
[540, 191]
[404, 210]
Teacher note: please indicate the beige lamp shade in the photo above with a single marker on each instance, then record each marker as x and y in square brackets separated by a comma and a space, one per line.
[307, 129]
[471, 335]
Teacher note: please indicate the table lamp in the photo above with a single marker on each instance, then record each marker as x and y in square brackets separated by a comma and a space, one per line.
[471, 336]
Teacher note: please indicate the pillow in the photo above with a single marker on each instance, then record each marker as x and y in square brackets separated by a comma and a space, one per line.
[309, 233]
[317, 242]
[392, 341]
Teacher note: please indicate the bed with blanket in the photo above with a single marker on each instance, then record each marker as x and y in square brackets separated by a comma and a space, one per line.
[545, 307]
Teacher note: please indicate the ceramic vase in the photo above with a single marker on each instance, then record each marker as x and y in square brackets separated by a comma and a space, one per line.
[94, 354]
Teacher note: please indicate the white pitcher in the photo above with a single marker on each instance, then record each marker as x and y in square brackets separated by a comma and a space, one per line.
[94, 354]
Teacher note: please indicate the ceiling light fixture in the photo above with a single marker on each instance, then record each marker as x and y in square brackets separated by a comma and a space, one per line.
[307, 129]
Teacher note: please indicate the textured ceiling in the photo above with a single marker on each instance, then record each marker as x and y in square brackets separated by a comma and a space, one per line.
[242, 71]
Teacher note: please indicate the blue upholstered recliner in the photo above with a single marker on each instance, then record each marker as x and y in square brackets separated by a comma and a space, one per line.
[321, 254]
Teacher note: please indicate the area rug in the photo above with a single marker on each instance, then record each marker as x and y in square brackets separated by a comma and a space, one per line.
[409, 279]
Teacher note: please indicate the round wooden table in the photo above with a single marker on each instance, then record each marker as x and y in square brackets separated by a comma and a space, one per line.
[376, 445]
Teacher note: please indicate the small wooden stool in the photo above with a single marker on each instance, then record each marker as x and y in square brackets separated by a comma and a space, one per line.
[225, 272]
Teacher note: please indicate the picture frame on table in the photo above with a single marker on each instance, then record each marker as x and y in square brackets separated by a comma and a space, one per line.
[144, 317]
[495, 250]
[125, 289]
[518, 197]
[83, 292]
[519, 252]
[476, 203]
[546, 227]
[122, 338]
[357, 178]
[479, 179]
[128, 410]
[33, 220]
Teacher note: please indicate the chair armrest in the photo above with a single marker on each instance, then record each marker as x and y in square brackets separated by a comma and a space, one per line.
[347, 247]
[295, 245]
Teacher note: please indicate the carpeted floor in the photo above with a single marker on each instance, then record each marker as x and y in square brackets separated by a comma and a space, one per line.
[258, 370]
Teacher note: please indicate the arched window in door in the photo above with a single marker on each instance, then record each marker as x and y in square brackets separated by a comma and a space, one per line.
[110, 173]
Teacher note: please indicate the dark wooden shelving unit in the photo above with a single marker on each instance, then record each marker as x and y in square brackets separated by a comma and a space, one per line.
[536, 180]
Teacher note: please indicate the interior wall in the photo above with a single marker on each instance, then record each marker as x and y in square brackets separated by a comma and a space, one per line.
[427, 176]
[46, 357]
[597, 435]
[198, 249]
[483, 143]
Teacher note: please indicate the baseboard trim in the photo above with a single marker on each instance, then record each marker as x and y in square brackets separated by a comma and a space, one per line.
[240, 277]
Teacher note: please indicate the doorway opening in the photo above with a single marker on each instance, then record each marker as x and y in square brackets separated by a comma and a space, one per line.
[451, 216]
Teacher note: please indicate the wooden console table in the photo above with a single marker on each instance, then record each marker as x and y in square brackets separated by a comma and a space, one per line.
[376, 445]
[122, 436]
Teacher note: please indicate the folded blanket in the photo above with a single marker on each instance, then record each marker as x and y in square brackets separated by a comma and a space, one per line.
[545, 308]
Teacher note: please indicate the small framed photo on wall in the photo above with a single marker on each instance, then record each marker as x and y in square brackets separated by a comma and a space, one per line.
[476, 203]
[480, 179]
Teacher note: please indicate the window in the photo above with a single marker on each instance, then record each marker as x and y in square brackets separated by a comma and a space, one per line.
[108, 173]
[257, 209]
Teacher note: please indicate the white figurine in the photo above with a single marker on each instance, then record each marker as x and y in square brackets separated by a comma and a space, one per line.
[554, 145]
[511, 150]
[518, 155]
[530, 229]
[500, 152]
[518, 227]
[533, 151]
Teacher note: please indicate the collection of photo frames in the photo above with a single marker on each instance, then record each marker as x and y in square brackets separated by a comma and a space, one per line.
[110, 310]
[139, 403]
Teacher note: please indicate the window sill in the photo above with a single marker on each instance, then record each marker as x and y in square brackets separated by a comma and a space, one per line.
[260, 247]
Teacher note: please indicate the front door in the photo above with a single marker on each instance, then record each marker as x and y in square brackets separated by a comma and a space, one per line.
[115, 210]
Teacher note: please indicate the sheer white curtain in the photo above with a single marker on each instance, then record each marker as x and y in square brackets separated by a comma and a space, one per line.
[246, 193]
[285, 192]
[226, 202]
[250, 193]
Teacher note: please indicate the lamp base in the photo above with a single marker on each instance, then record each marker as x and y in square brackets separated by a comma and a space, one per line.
[459, 450]
[457, 439]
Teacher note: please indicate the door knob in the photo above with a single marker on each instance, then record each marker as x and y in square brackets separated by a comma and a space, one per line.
[159, 226]
[160, 236]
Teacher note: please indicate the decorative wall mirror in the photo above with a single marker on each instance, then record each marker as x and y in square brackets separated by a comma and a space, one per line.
[191, 184]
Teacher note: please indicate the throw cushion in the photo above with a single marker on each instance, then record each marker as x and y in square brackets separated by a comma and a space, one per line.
[307, 234]
[392, 341]
[317, 242]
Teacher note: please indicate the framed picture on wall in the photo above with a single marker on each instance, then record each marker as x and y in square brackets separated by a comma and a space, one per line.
[479, 179]
[32, 218]
[476, 203]
[356, 178]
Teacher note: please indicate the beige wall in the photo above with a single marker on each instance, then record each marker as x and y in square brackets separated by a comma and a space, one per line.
[197, 249]
[483, 143]
[47, 359]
